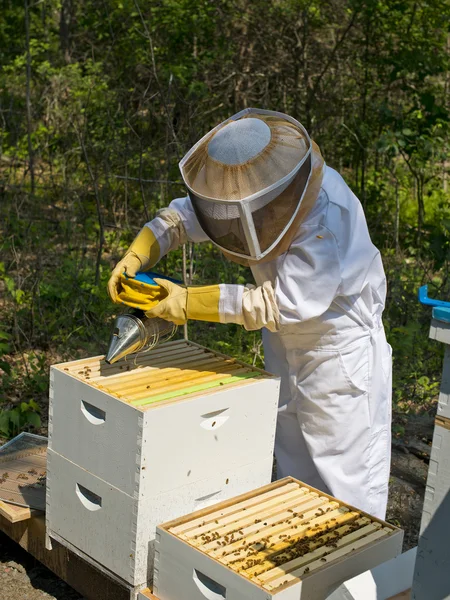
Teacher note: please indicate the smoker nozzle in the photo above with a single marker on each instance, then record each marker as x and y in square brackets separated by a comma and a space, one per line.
[134, 332]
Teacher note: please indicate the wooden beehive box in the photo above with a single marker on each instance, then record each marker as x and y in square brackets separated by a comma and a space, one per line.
[136, 443]
[285, 541]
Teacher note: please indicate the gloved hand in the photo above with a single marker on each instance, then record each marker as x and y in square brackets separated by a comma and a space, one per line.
[183, 303]
[253, 308]
[142, 255]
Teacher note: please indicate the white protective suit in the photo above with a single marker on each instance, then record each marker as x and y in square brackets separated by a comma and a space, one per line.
[334, 422]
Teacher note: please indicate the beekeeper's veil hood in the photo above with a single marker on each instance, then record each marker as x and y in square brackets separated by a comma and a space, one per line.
[251, 180]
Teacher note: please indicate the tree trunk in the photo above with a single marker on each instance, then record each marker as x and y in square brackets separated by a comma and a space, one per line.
[65, 18]
[28, 98]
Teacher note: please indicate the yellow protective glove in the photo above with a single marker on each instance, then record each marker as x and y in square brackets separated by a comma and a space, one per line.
[141, 256]
[183, 303]
[140, 295]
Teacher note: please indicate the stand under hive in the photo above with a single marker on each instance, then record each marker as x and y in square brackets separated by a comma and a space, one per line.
[137, 443]
[286, 541]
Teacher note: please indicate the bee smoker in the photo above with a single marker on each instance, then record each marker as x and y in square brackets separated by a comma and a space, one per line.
[134, 333]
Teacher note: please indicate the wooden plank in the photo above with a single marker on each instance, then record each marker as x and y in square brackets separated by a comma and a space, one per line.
[317, 548]
[254, 496]
[161, 384]
[406, 595]
[317, 564]
[14, 513]
[140, 379]
[281, 531]
[221, 381]
[105, 371]
[275, 516]
[147, 594]
[217, 353]
[100, 359]
[231, 517]
[283, 549]
[149, 372]
[318, 552]
[251, 500]
[84, 578]
[185, 383]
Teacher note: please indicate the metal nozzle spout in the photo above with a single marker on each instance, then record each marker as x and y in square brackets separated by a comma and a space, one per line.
[126, 338]
[134, 332]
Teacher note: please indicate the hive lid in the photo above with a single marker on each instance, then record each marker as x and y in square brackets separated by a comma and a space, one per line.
[172, 371]
[280, 534]
[23, 471]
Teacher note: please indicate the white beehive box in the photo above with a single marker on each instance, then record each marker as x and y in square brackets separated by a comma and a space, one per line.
[433, 553]
[134, 444]
[285, 541]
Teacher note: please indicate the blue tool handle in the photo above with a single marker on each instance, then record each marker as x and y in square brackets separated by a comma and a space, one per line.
[149, 278]
[423, 299]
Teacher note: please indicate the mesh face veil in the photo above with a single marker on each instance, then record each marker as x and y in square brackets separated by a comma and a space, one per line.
[247, 179]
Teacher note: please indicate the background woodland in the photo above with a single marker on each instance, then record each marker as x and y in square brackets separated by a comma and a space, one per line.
[99, 99]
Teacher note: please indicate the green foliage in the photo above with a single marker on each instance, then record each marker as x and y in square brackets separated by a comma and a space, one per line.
[20, 418]
[5, 367]
[119, 90]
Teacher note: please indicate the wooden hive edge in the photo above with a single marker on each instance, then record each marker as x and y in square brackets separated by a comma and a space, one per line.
[269, 375]
[225, 504]
[99, 357]
[101, 384]
[383, 526]
[206, 392]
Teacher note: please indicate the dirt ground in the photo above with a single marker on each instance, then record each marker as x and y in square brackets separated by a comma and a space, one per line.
[23, 578]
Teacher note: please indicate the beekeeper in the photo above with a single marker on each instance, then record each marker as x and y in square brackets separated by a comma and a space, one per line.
[259, 190]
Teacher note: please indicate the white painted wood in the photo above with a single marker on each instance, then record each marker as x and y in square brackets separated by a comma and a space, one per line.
[148, 465]
[387, 580]
[102, 528]
[440, 331]
[180, 569]
[208, 434]
[113, 440]
[99, 533]
[444, 394]
[433, 553]
[96, 431]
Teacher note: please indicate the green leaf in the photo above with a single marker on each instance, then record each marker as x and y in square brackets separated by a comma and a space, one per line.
[5, 367]
[34, 405]
[34, 419]
[14, 417]
[4, 422]
[4, 348]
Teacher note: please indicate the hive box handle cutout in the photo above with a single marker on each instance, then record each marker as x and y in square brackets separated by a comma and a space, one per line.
[213, 423]
[94, 415]
[88, 499]
[209, 588]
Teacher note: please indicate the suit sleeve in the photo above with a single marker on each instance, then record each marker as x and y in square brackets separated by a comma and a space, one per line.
[176, 225]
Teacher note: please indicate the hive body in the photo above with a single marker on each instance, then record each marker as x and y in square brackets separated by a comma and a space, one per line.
[285, 541]
[433, 552]
[134, 445]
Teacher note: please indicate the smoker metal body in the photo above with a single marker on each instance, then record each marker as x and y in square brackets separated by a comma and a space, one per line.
[134, 333]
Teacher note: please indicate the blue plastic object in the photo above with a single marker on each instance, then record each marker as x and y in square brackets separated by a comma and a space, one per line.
[441, 309]
[149, 278]
[441, 314]
[423, 298]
